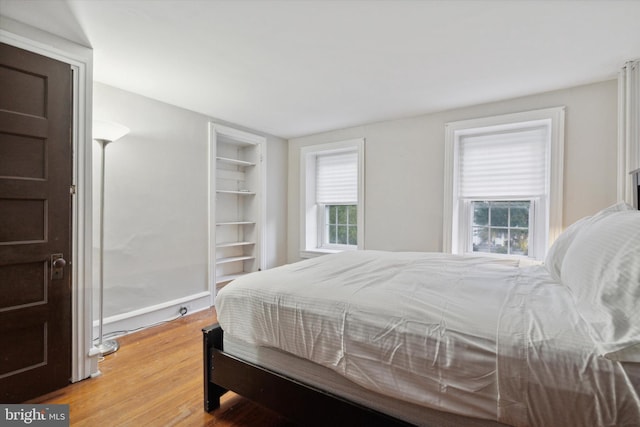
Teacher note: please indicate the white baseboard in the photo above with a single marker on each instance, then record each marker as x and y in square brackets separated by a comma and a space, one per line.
[133, 321]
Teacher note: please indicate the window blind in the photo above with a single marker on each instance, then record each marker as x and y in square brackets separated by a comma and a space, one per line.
[506, 164]
[337, 177]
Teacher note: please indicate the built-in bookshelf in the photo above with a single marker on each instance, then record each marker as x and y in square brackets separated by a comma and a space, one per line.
[236, 192]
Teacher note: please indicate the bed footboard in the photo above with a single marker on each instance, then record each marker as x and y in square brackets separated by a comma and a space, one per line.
[212, 340]
[301, 403]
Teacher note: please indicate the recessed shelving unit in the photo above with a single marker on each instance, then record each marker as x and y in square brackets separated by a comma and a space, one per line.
[236, 204]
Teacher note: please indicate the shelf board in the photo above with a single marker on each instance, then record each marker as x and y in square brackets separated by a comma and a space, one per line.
[232, 244]
[242, 193]
[234, 161]
[236, 223]
[234, 259]
[230, 277]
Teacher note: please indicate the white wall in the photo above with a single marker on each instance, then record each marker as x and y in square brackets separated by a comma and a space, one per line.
[156, 203]
[404, 166]
[276, 221]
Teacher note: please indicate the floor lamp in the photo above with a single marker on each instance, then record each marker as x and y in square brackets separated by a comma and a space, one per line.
[105, 133]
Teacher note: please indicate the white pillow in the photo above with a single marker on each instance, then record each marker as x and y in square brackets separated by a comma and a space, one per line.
[618, 207]
[602, 268]
[557, 251]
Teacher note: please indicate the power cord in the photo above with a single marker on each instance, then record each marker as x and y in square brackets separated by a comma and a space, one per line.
[116, 334]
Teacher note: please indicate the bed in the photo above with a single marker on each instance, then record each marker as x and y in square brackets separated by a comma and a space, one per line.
[408, 338]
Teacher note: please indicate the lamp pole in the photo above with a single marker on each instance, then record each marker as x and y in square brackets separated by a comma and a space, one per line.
[109, 346]
[105, 133]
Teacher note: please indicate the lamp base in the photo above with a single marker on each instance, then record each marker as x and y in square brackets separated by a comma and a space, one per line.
[108, 347]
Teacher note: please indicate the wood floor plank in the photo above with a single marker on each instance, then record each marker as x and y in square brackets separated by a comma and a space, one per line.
[156, 379]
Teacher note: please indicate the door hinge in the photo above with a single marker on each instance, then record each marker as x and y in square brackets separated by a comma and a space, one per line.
[72, 190]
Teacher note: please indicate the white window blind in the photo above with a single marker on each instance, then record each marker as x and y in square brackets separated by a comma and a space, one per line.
[502, 165]
[337, 178]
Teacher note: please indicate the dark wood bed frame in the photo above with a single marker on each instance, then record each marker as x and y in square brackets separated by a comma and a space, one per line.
[300, 403]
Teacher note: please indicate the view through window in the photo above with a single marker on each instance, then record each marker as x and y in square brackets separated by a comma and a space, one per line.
[341, 224]
[501, 227]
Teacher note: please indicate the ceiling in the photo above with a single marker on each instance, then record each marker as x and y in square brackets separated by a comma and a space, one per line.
[293, 68]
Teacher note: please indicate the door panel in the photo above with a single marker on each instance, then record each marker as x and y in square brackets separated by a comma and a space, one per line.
[35, 212]
[22, 157]
[24, 221]
[23, 284]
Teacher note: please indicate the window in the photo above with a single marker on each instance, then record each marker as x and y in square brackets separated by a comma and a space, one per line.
[331, 197]
[503, 184]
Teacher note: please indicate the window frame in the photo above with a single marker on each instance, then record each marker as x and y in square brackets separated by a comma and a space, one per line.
[548, 210]
[312, 217]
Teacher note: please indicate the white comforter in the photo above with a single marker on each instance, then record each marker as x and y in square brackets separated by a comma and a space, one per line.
[465, 335]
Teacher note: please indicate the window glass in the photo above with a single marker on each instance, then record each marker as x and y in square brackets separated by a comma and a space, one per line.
[501, 227]
[341, 225]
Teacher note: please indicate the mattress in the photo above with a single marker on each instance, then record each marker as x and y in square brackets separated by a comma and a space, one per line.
[317, 376]
[489, 340]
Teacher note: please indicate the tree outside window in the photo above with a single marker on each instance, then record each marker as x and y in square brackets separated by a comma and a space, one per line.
[341, 225]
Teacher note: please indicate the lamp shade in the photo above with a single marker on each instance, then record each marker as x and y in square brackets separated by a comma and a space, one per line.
[108, 131]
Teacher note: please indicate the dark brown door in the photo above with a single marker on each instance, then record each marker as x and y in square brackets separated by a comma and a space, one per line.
[35, 212]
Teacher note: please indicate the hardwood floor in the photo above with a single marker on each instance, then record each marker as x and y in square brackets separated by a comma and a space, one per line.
[156, 379]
